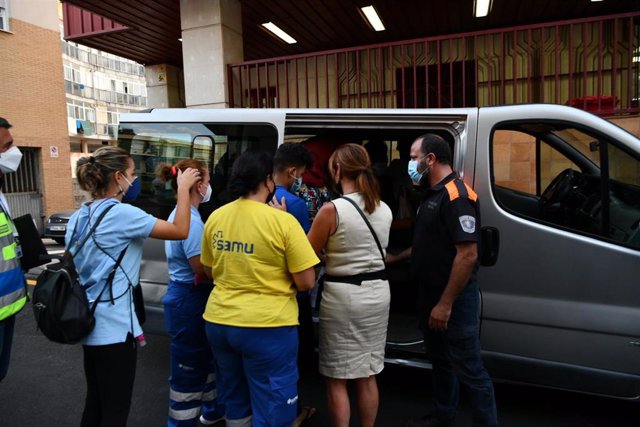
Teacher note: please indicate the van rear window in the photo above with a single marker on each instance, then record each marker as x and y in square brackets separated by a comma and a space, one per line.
[217, 145]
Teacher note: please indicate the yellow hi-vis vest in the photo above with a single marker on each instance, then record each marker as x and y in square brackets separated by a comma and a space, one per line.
[12, 283]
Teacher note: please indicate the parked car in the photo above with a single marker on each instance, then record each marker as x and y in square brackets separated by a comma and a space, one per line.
[560, 203]
[56, 226]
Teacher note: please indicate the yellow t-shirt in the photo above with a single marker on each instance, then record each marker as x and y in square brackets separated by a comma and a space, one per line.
[252, 249]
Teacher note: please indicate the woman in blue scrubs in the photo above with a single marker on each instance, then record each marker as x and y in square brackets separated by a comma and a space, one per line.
[110, 349]
[192, 379]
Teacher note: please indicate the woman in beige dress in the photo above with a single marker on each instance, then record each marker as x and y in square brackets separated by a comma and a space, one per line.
[354, 311]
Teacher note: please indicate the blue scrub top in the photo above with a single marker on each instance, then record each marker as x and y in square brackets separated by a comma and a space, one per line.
[123, 226]
[179, 251]
[295, 206]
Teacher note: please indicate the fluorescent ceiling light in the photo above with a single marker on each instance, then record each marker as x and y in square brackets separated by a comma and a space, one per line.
[373, 18]
[597, 0]
[481, 8]
[279, 33]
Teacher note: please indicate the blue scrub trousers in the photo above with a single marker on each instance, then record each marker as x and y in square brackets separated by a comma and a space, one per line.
[258, 373]
[192, 377]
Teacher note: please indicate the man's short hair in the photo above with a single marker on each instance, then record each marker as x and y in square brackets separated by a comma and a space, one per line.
[432, 143]
[4, 123]
[292, 154]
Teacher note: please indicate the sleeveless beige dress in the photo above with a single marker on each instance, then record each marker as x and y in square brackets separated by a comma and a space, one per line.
[354, 319]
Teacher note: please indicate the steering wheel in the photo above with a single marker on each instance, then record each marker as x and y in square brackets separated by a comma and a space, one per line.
[558, 188]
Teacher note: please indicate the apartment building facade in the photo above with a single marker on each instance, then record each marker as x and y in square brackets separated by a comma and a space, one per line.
[33, 100]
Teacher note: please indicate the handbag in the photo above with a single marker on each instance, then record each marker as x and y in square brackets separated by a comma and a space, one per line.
[60, 303]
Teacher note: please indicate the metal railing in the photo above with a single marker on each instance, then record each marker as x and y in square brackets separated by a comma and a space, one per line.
[592, 64]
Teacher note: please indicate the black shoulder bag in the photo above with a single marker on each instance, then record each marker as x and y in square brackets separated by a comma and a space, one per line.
[357, 279]
[366, 221]
[60, 303]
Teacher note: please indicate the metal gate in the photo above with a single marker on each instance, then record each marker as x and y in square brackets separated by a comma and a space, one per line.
[22, 188]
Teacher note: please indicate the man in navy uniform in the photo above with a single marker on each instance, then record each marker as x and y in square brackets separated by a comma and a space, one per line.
[444, 259]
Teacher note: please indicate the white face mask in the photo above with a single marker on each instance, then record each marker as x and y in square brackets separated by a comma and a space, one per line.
[10, 160]
[207, 194]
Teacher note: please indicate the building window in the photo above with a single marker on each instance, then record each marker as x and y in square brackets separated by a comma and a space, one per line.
[4, 15]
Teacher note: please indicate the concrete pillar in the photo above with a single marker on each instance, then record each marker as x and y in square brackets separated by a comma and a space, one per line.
[211, 39]
[165, 87]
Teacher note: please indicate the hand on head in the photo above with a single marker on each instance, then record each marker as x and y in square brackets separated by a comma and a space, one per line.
[188, 177]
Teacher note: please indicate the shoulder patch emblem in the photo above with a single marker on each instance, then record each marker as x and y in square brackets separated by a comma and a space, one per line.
[468, 223]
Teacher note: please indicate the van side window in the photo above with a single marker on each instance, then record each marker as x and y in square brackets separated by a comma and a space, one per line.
[568, 178]
[217, 145]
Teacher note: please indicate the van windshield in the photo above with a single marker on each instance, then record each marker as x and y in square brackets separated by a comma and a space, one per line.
[217, 145]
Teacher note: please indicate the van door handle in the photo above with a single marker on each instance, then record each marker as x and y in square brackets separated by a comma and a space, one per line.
[489, 246]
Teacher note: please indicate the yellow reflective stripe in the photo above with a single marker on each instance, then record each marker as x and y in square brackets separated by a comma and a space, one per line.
[5, 225]
[9, 252]
[13, 308]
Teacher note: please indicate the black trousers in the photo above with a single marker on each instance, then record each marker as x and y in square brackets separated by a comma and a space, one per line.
[109, 371]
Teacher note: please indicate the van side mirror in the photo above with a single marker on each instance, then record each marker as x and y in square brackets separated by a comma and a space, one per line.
[489, 246]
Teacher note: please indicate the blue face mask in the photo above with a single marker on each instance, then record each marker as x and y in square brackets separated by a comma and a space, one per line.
[133, 191]
[412, 169]
[297, 183]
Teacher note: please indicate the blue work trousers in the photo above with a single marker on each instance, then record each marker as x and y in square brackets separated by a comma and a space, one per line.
[455, 355]
[258, 373]
[192, 378]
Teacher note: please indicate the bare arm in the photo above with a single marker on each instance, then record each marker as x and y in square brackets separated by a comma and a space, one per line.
[207, 271]
[324, 225]
[179, 229]
[304, 279]
[463, 263]
[390, 258]
[197, 266]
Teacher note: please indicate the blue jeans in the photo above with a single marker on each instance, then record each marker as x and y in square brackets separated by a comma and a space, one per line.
[455, 355]
[257, 374]
[192, 377]
[6, 339]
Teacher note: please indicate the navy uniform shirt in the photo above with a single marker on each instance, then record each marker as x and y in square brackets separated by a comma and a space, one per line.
[449, 214]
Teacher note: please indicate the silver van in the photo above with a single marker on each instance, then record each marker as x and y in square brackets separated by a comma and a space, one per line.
[559, 192]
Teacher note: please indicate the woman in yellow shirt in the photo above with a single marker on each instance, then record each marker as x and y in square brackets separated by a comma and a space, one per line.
[258, 257]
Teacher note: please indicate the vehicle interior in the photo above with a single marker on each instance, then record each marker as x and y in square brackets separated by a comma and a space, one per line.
[577, 181]
[219, 146]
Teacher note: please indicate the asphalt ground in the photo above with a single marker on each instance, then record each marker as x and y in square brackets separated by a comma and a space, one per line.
[45, 387]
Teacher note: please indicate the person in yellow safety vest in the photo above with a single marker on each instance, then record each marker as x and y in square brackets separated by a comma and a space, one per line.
[12, 282]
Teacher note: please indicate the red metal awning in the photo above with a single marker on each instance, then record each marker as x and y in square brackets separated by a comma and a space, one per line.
[146, 32]
[149, 31]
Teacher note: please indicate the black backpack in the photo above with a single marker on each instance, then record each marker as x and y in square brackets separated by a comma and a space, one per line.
[60, 302]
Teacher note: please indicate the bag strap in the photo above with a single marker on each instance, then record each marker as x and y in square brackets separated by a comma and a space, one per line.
[375, 236]
[109, 281]
[91, 230]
